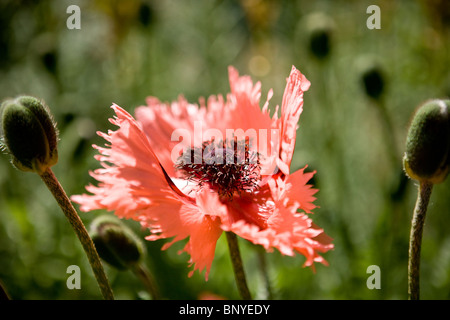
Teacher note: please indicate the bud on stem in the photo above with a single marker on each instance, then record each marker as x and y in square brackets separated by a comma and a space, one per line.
[121, 248]
[116, 243]
[428, 143]
[29, 134]
[427, 161]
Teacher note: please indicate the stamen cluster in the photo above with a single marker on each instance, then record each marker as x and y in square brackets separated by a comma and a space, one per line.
[227, 167]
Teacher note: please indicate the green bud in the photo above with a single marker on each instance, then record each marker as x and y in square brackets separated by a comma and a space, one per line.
[29, 134]
[373, 82]
[428, 143]
[372, 76]
[116, 244]
[320, 29]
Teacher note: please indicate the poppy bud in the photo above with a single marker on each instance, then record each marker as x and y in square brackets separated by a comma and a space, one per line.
[320, 28]
[116, 244]
[428, 143]
[372, 76]
[29, 134]
[373, 82]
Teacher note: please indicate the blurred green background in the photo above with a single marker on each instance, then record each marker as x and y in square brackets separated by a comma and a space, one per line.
[354, 138]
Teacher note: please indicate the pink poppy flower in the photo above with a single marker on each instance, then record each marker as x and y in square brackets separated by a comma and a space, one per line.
[193, 171]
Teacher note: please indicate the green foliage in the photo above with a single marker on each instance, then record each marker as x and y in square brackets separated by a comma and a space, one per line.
[128, 50]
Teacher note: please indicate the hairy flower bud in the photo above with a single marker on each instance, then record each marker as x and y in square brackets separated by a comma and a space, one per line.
[428, 143]
[29, 134]
[116, 244]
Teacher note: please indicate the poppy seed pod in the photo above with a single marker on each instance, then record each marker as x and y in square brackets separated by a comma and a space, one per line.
[428, 143]
[29, 134]
[116, 244]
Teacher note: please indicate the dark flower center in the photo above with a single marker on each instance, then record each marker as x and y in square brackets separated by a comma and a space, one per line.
[228, 166]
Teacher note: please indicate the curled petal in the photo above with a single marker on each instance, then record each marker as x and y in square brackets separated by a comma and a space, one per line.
[291, 109]
[131, 178]
[133, 184]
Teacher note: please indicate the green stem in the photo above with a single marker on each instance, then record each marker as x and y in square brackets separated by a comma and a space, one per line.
[238, 267]
[146, 277]
[63, 201]
[263, 265]
[415, 239]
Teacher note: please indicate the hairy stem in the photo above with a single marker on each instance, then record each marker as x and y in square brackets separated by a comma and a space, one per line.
[415, 239]
[63, 201]
[263, 265]
[238, 267]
